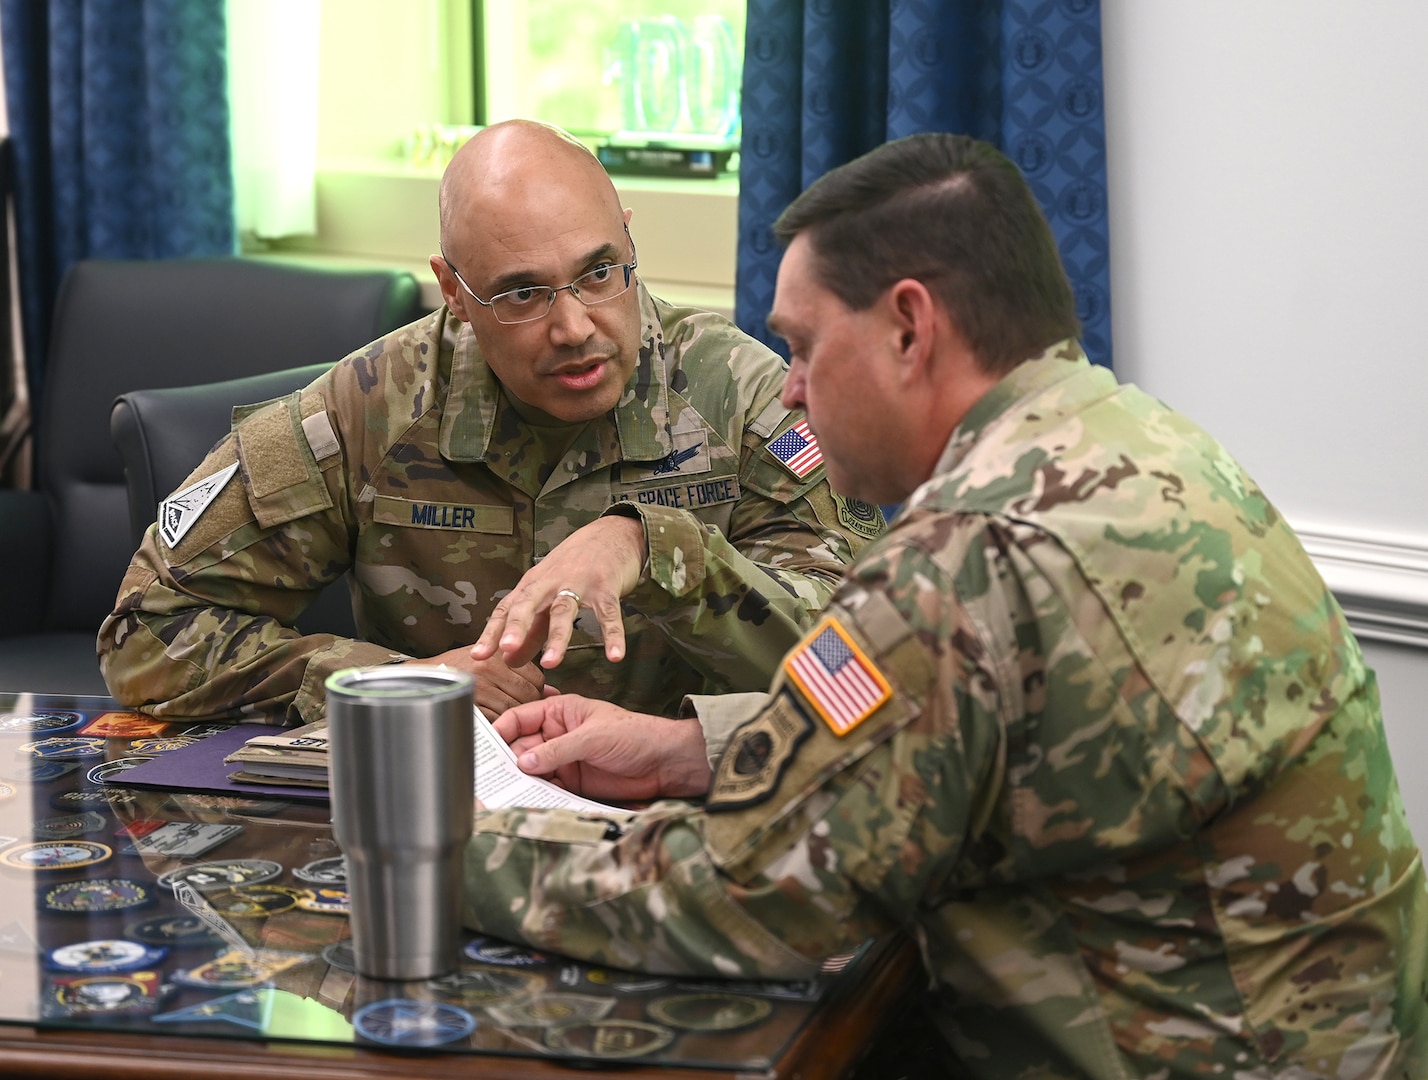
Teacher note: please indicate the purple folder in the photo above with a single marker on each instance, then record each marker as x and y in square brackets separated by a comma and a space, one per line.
[201, 768]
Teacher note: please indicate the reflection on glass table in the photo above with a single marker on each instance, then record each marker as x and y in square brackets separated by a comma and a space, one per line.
[167, 913]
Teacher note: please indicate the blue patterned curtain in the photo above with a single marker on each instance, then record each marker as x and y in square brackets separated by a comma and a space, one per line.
[118, 111]
[826, 81]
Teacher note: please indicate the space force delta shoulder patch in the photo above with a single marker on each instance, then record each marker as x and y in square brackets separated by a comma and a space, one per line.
[840, 682]
[797, 450]
[181, 510]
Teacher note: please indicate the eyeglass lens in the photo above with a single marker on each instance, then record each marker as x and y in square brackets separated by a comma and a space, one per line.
[534, 301]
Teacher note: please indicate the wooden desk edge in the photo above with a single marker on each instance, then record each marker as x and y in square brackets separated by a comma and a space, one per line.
[855, 1020]
[51, 1054]
[55, 1053]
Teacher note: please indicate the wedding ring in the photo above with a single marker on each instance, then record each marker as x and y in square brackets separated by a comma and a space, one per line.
[570, 593]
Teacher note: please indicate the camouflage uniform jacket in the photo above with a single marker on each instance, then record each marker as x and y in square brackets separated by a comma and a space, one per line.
[408, 464]
[1087, 722]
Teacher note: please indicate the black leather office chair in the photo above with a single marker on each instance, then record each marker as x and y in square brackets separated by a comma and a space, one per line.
[163, 434]
[120, 325]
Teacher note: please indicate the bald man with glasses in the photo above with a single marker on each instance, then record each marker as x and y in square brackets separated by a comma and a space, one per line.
[553, 412]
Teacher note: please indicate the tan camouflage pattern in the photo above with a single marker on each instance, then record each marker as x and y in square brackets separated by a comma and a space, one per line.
[1131, 793]
[408, 464]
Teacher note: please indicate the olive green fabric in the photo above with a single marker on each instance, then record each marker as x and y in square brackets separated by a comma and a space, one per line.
[437, 496]
[1130, 789]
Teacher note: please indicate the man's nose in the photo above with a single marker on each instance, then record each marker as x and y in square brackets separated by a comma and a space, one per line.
[792, 396]
[570, 322]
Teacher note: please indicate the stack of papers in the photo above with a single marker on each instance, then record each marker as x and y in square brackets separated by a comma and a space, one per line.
[299, 756]
[293, 755]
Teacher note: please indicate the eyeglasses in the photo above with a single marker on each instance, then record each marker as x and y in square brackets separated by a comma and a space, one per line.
[531, 302]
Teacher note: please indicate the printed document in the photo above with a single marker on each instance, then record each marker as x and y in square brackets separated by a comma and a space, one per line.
[500, 782]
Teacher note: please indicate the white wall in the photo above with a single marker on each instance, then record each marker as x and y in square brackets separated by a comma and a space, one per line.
[1269, 252]
[1403, 683]
[1270, 238]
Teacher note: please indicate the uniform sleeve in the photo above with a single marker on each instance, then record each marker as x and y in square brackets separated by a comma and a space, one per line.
[720, 715]
[733, 603]
[810, 841]
[203, 626]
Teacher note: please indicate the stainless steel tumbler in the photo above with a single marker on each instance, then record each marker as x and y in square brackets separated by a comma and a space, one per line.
[400, 743]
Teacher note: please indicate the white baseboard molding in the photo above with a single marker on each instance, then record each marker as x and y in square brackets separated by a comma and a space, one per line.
[1381, 581]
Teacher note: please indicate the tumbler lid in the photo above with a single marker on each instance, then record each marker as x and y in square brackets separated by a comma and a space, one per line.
[404, 682]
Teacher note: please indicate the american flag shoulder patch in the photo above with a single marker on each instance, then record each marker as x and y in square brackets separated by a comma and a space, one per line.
[838, 679]
[797, 450]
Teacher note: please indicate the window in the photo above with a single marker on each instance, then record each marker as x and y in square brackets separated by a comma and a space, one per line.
[369, 186]
[663, 71]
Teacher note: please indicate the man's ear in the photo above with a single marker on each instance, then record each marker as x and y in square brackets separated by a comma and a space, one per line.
[451, 290]
[913, 312]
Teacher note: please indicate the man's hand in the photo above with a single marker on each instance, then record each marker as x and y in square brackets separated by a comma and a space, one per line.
[592, 567]
[498, 687]
[602, 751]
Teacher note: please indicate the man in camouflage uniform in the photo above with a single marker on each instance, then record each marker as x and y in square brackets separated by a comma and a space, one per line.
[1085, 721]
[441, 462]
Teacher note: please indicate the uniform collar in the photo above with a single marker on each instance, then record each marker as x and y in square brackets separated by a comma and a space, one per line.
[1012, 394]
[637, 429]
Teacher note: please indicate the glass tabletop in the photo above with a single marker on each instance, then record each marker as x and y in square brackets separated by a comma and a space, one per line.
[164, 911]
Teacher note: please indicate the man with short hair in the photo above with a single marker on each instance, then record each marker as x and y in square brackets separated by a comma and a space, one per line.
[444, 461]
[1086, 722]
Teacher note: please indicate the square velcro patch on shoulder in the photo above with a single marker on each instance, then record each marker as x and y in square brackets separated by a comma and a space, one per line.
[283, 477]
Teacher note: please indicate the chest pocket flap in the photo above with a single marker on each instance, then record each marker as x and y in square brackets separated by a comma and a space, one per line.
[280, 468]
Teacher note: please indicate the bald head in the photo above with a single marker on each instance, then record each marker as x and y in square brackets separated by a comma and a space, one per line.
[517, 163]
[523, 205]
